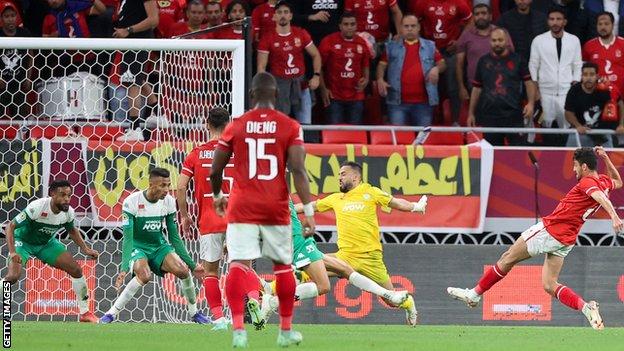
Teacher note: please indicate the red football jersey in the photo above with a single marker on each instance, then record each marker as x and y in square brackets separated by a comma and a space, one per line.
[573, 210]
[169, 13]
[442, 20]
[260, 140]
[372, 16]
[228, 33]
[286, 52]
[609, 58]
[180, 28]
[197, 165]
[344, 60]
[262, 19]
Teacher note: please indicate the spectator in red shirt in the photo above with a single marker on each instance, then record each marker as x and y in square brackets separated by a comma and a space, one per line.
[607, 51]
[236, 11]
[373, 16]
[413, 65]
[283, 50]
[262, 18]
[473, 43]
[195, 14]
[68, 18]
[214, 13]
[442, 22]
[169, 13]
[345, 73]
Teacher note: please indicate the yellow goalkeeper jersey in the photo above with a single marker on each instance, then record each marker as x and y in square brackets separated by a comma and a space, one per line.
[356, 217]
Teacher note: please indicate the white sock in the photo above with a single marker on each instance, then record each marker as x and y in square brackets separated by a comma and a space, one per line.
[129, 291]
[188, 290]
[82, 294]
[473, 294]
[367, 284]
[306, 291]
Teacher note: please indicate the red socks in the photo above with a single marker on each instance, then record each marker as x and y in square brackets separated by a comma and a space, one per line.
[253, 285]
[213, 296]
[285, 286]
[569, 298]
[489, 278]
[235, 290]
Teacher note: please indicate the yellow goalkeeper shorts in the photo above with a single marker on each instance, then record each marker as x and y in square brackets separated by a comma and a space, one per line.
[369, 264]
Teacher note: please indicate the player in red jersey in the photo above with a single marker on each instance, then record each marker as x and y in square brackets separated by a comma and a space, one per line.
[236, 11]
[264, 140]
[211, 226]
[556, 234]
[607, 51]
[373, 16]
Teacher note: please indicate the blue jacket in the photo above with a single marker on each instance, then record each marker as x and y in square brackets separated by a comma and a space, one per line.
[395, 50]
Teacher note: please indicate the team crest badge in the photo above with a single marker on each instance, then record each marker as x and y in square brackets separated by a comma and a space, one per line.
[297, 42]
[367, 197]
[618, 53]
[359, 49]
[453, 10]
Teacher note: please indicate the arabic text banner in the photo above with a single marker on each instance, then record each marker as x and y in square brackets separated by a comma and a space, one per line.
[456, 180]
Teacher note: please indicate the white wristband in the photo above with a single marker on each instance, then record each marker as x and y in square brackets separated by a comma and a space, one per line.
[308, 210]
[217, 196]
[414, 207]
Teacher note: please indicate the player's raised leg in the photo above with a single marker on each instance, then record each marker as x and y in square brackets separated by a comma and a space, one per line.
[174, 265]
[66, 263]
[565, 295]
[142, 276]
[518, 252]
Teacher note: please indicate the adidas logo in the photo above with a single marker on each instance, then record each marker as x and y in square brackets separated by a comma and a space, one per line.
[325, 5]
[300, 256]
[127, 77]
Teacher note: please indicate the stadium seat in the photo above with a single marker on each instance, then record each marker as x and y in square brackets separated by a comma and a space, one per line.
[445, 138]
[49, 132]
[344, 137]
[8, 132]
[101, 132]
[385, 137]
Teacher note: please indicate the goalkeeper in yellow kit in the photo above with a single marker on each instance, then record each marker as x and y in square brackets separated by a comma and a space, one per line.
[359, 246]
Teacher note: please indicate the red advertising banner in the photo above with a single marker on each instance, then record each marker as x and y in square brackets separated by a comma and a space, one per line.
[49, 290]
[513, 181]
[518, 297]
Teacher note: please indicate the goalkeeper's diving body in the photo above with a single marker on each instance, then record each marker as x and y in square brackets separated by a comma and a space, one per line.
[359, 257]
[145, 250]
[33, 233]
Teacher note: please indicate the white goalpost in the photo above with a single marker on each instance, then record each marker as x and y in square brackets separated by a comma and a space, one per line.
[62, 110]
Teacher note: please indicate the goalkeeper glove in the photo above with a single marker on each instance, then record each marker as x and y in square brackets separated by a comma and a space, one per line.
[421, 205]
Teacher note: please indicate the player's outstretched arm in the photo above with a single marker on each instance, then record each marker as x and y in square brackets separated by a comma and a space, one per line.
[406, 206]
[183, 182]
[220, 160]
[299, 207]
[176, 242]
[611, 170]
[296, 164]
[75, 235]
[604, 201]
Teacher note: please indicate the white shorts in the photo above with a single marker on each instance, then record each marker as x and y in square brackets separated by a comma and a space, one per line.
[211, 246]
[539, 241]
[250, 241]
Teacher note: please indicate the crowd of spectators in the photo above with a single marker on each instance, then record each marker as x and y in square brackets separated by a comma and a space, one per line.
[499, 63]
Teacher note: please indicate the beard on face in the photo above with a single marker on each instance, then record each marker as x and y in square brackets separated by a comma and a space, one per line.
[482, 24]
[499, 50]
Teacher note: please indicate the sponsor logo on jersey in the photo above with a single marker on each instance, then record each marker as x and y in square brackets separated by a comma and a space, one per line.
[44, 214]
[141, 207]
[48, 230]
[152, 226]
[353, 207]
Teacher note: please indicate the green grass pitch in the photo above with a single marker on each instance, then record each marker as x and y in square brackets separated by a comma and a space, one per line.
[168, 337]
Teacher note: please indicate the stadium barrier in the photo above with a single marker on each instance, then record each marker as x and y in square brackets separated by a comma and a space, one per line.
[426, 271]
